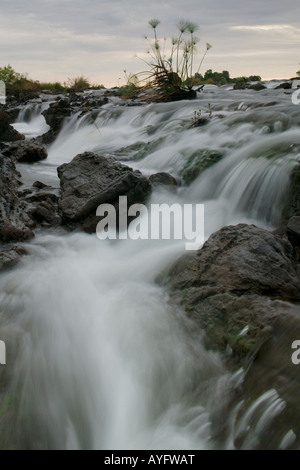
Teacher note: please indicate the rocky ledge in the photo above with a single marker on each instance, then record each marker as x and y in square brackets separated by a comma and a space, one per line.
[243, 290]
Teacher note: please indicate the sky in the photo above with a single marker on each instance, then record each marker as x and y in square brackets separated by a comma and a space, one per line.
[53, 40]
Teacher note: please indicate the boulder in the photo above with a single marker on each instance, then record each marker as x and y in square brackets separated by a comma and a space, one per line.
[11, 256]
[292, 205]
[257, 87]
[199, 161]
[242, 289]
[7, 132]
[239, 278]
[293, 230]
[55, 116]
[90, 180]
[27, 151]
[15, 225]
[284, 86]
[163, 179]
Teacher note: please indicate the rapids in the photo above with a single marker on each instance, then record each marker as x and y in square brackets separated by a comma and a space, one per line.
[97, 358]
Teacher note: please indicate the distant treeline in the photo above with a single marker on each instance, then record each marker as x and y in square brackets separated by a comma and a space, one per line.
[222, 78]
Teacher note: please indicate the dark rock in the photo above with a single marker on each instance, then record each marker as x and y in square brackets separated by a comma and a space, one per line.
[163, 179]
[292, 206]
[239, 86]
[40, 185]
[293, 230]
[284, 86]
[7, 132]
[90, 180]
[242, 277]
[257, 87]
[55, 116]
[200, 122]
[11, 256]
[243, 289]
[15, 225]
[243, 259]
[26, 151]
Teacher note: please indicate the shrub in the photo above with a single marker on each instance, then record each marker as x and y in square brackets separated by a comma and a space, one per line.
[79, 83]
[53, 87]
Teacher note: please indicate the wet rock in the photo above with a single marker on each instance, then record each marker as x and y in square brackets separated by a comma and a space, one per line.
[90, 180]
[243, 289]
[26, 151]
[11, 256]
[7, 132]
[257, 87]
[55, 116]
[293, 230]
[164, 179]
[292, 206]
[15, 225]
[42, 204]
[198, 162]
[239, 86]
[284, 86]
[244, 259]
[242, 277]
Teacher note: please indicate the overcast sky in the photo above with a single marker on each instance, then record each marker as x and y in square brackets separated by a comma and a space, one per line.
[52, 40]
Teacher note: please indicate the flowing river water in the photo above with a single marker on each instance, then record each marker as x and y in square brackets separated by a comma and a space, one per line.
[97, 357]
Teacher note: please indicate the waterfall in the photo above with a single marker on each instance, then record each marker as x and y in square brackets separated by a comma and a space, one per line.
[101, 359]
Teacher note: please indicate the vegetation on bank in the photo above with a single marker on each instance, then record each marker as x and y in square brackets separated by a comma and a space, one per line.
[15, 81]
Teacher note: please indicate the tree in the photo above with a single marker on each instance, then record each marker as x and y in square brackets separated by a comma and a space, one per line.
[8, 75]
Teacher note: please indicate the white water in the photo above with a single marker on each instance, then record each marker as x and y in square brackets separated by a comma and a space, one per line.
[30, 121]
[102, 359]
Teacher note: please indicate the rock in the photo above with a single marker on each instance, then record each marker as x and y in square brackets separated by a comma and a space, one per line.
[243, 259]
[239, 86]
[164, 179]
[240, 277]
[198, 162]
[284, 86]
[42, 204]
[11, 256]
[55, 116]
[15, 225]
[40, 185]
[292, 205]
[243, 289]
[7, 132]
[293, 230]
[257, 87]
[27, 151]
[90, 180]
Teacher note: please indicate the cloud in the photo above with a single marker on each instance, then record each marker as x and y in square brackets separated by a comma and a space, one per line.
[56, 39]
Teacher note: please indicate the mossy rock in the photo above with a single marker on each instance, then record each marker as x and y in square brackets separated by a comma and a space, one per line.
[292, 206]
[139, 149]
[198, 162]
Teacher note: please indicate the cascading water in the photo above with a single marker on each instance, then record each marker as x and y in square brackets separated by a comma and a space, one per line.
[101, 359]
[30, 120]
